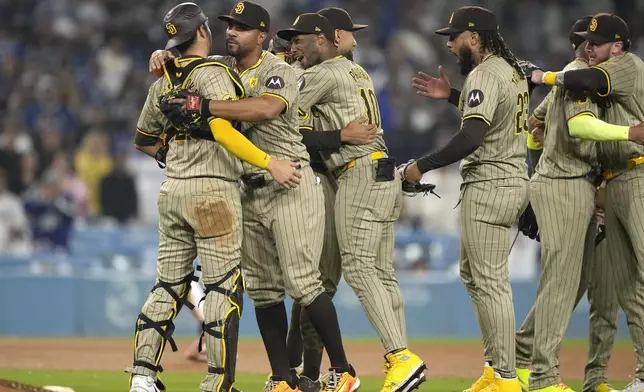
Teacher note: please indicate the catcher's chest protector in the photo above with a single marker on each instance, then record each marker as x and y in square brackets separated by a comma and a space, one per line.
[178, 72]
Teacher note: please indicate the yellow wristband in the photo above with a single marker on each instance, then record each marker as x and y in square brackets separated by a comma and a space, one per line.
[550, 78]
[532, 144]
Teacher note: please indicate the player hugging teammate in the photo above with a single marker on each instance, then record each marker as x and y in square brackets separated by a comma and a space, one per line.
[314, 155]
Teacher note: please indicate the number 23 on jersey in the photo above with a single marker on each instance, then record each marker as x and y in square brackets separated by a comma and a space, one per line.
[522, 114]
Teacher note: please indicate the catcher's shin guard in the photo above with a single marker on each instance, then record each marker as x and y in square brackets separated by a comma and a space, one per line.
[222, 311]
[155, 326]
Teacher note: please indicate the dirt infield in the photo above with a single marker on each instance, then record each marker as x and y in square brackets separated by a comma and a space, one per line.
[444, 360]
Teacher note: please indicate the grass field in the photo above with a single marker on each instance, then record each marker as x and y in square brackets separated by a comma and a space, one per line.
[86, 381]
[97, 363]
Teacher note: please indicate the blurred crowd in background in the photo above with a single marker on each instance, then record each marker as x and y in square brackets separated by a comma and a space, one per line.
[74, 75]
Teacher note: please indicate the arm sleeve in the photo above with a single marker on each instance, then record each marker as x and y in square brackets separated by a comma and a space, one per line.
[454, 97]
[321, 140]
[589, 79]
[233, 141]
[149, 127]
[588, 127]
[315, 87]
[465, 142]
[481, 96]
[279, 82]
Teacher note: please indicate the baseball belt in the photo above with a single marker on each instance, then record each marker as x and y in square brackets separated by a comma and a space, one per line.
[631, 163]
[374, 157]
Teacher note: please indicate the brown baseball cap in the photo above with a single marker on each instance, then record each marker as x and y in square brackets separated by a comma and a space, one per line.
[604, 28]
[472, 18]
[249, 14]
[340, 19]
[182, 22]
[309, 23]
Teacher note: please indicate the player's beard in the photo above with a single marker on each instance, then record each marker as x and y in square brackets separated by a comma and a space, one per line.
[349, 55]
[237, 50]
[466, 60]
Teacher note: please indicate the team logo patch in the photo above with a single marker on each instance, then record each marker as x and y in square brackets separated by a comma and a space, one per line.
[475, 98]
[252, 82]
[301, 83]
[239, 8]
[171, 28]
[274, 82]
[593, 25]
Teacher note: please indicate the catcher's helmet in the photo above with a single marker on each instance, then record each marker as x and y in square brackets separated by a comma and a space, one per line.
[182, 22]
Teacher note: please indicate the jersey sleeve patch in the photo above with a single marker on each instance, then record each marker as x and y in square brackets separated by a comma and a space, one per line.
[475, 98]
[301, 83]
[275, 83]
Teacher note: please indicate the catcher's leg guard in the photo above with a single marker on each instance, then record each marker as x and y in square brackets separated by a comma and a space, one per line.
[155, 326]
[222, 310]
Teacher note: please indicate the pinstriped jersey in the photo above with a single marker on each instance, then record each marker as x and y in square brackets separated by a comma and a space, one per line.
[494, 93]
[626, 89]
[338, 91]
[541, 111]
[565, 156]
[189, 157]
[279, 137]
[297, 67]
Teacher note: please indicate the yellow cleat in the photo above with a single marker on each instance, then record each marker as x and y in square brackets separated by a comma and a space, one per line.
[342, 382]
[604, 387]
[524, 377]
[486, 379]
[503, 385]
[554, 388]
[404, 372]
[280, 386]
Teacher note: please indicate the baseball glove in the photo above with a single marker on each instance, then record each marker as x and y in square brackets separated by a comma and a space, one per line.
[528, 68]
[411, 189]
[184, 119]
[528, 224]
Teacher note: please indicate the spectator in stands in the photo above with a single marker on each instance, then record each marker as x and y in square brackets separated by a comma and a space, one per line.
[92, 163]
[119, 198]
[51, 214]
[14, 227]
[71, 183]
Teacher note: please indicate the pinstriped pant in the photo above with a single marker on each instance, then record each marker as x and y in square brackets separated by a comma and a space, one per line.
[625, 237]
[198, 217]
[330, 261]
[564, 209]
[365, 213]
[489, 209]
[597, 281]
[283, 234]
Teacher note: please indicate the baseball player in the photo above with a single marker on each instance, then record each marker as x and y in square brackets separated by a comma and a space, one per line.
[199, 207]
[309, 351]
[563, 191]
[334, 91]
[283, 229]
[491, 143]
[617, 76]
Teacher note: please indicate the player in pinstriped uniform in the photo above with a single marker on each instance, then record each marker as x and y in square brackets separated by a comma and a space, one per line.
[199, 208]
[335, 91]
[618, 76]
[303, 343]
[283, 229]
[563, 197]
[491, 144]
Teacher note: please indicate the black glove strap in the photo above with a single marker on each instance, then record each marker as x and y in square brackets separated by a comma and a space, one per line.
[205, 107]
